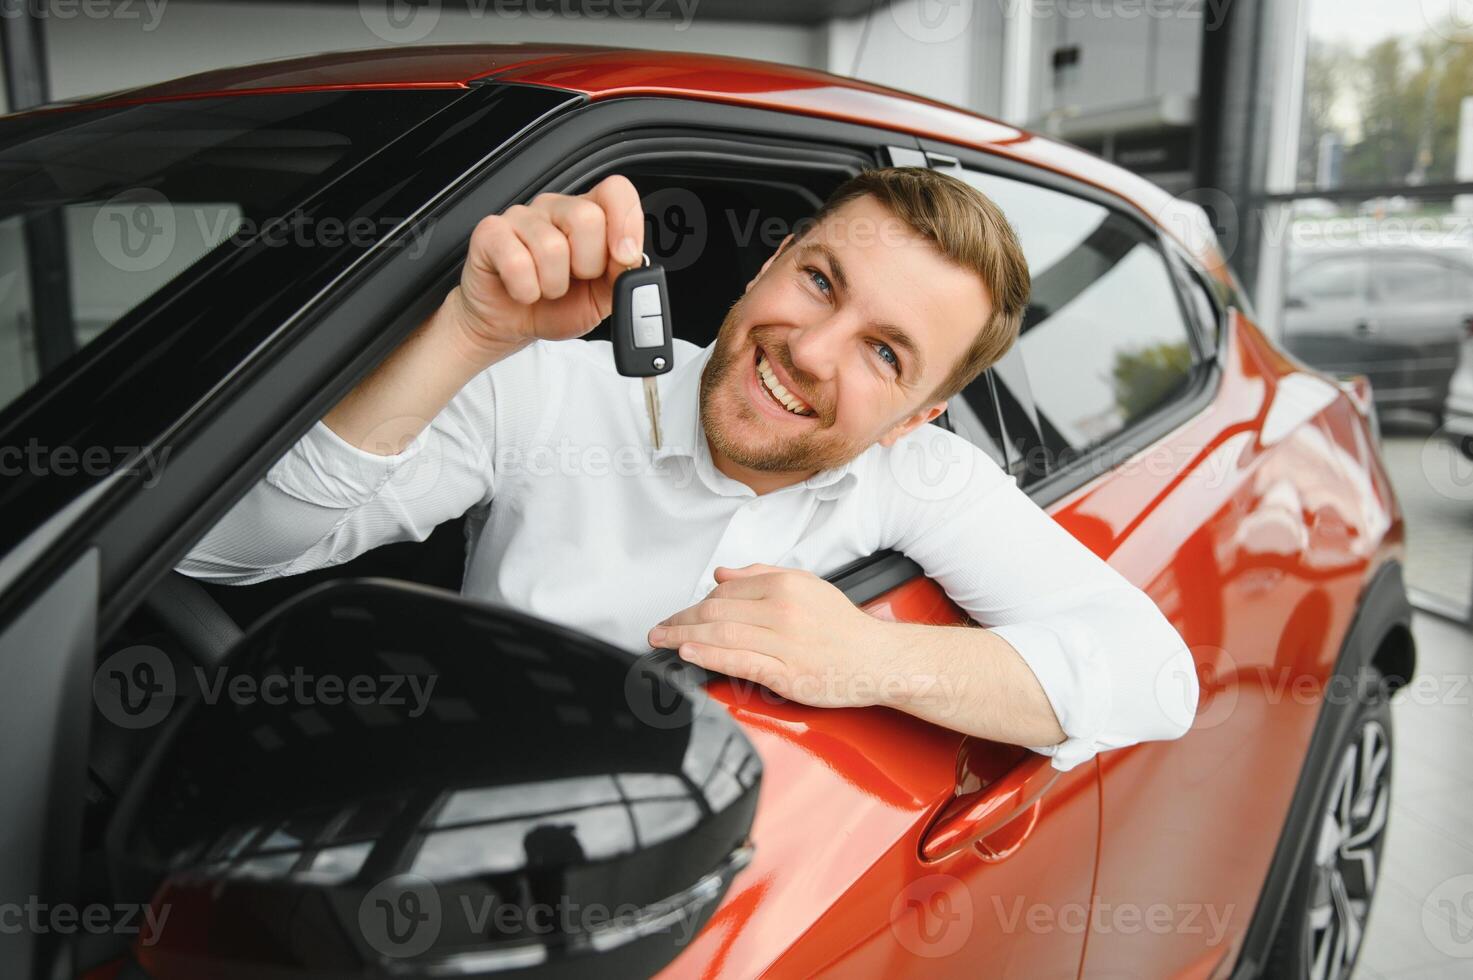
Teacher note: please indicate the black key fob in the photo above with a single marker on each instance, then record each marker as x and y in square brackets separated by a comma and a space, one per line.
[641, 323]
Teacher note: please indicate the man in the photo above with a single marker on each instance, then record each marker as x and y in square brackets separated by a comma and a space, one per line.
[796, 443]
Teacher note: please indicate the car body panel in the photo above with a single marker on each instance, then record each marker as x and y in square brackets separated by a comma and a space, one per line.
[851, 895]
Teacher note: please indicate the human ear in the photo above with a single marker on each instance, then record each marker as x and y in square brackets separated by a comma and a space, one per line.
[912, 422]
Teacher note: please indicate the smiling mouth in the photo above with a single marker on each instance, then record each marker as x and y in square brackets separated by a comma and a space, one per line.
[786, 399]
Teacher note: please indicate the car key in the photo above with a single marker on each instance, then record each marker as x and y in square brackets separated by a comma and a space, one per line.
[641, 333]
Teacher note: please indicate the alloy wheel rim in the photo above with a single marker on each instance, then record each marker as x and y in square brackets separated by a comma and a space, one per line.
[1347, 854]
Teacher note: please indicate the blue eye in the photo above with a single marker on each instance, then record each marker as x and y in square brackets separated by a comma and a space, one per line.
[888, 356]
[820, 280]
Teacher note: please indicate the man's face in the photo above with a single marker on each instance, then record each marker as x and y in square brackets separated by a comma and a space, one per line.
[858, 321]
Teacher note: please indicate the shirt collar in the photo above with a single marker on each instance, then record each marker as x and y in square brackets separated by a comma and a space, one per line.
[683, 436]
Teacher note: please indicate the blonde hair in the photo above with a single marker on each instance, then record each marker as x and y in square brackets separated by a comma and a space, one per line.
[968, 228]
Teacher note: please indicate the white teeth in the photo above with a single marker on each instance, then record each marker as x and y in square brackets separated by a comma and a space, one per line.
[786, 398]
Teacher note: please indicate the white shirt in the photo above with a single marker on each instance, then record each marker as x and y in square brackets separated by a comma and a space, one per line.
[592, 528]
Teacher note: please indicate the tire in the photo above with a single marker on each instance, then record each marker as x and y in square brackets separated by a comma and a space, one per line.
[1320, 935]
[1465, 446]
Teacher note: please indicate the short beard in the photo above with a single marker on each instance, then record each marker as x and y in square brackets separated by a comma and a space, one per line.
[809, 452]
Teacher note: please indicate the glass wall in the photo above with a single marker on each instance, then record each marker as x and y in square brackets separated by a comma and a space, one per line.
[1373, 251]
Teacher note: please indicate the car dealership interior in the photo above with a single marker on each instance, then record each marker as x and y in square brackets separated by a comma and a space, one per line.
[1326, 144]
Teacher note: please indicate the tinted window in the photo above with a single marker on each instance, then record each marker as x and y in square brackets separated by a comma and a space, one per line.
[972, 416]
[101, 208]
[1105, 339]
[1341, 279]
[1417, 279]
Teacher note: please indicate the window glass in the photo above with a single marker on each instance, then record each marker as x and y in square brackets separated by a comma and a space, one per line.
[972, 416]
[1416, 279]
[1105, 339]
[1328, 281]
[101, 208]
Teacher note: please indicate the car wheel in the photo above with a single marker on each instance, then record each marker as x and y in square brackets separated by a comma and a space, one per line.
[1465, 446]
[1324, 923]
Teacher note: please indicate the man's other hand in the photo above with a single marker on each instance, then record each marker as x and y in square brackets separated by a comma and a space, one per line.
[792, 632]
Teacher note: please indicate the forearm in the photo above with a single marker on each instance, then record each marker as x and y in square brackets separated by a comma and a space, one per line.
[970, 680]
[391, 406]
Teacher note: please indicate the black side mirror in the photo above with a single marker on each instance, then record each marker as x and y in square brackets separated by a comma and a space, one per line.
[386, 779]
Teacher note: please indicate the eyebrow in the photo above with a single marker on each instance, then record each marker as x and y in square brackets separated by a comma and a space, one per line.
[893, 335]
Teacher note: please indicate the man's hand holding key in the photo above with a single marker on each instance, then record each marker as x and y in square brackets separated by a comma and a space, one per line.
[543, 270]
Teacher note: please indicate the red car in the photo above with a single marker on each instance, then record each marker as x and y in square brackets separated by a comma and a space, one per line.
[209, 264]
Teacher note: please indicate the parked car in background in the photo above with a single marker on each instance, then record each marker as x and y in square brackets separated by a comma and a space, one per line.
[282, 228]
[1395, 314]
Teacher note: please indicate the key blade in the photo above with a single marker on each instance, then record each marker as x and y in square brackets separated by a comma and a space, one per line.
[652, 408]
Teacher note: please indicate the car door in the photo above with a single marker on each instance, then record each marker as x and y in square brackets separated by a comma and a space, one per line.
[1142, 467]
[1420, 304]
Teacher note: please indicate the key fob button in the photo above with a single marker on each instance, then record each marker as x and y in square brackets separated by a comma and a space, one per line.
[649, 331]
[645, 301]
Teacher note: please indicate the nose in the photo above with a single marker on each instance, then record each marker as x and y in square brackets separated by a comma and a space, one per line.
[817, 347]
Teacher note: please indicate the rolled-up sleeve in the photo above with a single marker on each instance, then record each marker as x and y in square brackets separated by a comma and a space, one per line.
[1112, 665]
[325, 501]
